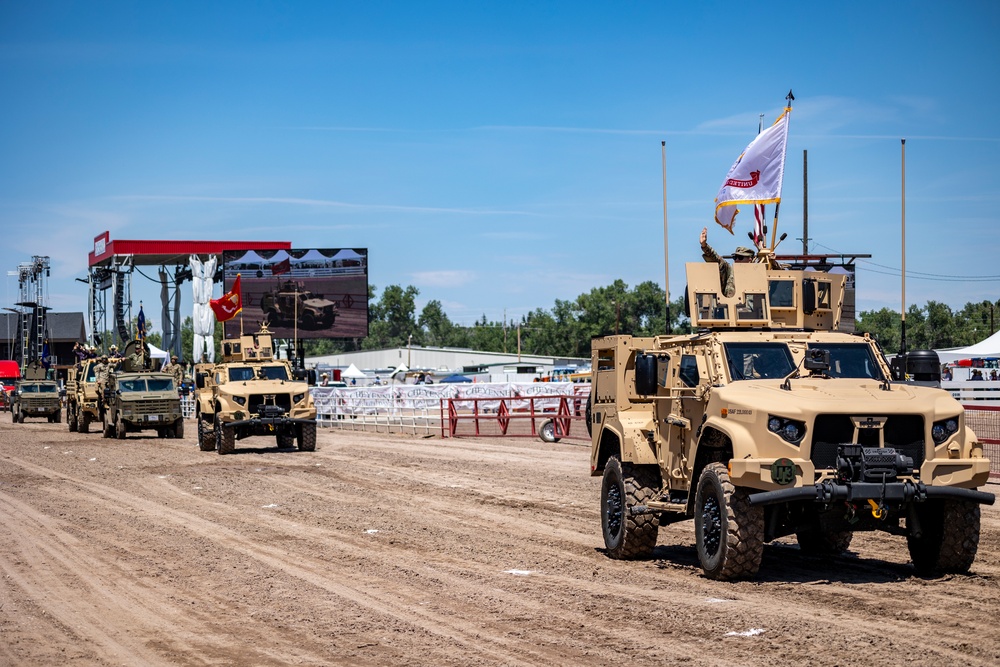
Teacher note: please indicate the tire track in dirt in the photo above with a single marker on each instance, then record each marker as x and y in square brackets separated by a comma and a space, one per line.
[314, 571]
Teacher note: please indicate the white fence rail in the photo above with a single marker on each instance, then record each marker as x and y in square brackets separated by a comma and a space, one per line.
[416, 409]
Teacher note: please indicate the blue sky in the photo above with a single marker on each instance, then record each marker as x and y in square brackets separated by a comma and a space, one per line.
[499, 156]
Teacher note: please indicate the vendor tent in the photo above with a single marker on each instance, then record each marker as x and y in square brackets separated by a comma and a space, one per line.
[157, 353]
[984, 348]
[455, 378]
[352, 372]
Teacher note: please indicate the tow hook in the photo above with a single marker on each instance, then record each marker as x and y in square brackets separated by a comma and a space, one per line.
[878, 510]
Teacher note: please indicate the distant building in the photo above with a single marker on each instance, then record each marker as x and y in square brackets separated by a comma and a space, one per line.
[442, 361]
[64, 330]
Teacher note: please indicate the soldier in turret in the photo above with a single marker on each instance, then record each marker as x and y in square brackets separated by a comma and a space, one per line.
[726, 277]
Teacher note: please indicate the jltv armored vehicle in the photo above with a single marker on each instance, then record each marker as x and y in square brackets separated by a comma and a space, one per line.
[769, 421]
[138, 399]
[82, 406]
[252, 393]
[290, 302]
[36, 395]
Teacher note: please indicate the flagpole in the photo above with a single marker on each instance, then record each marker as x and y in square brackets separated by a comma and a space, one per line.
[789, 98]
[666, 255]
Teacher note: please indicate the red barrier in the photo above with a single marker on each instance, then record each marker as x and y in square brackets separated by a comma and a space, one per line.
[506, 421]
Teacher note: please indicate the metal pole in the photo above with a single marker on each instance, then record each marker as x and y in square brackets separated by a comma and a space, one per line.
[666, 255]
[805, 202]
[902, 338]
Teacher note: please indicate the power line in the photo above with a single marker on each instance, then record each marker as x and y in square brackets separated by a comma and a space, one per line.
[917, 274]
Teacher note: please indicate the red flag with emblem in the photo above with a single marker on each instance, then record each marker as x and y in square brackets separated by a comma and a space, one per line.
[229, 304]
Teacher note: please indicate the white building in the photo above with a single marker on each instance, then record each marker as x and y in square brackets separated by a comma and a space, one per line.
[443, 361]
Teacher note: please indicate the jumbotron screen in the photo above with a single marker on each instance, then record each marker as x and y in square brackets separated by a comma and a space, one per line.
[312, 293]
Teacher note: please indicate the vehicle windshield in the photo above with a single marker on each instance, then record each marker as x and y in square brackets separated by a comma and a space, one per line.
[132, 385]
[241, 373]
[39, 389]
[274, 372]
[91, 376]
[850, 360]
[160, 384]
[758, 361]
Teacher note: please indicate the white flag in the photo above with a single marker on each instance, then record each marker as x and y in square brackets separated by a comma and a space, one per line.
[755, 177]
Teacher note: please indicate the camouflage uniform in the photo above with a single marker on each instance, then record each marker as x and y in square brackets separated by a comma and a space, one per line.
[177, 369]
[726, 277]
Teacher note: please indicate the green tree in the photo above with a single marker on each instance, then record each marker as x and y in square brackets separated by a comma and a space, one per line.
[392, 319]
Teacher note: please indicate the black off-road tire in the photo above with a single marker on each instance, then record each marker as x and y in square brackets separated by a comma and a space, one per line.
[83, 422]
[950, 537]
[589, 412]
[206, 435]
[71, 418]
[285, 440]
[225, 438]
[107, 427]
[307, 437]
[57, 418]
[547, 431]
[179, 428]
[625, 486]
[818, 538]
[120, 428]
[729, 531]
[14, 414]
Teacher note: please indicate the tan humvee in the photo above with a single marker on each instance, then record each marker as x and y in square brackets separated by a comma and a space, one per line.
[768, 421]
[251, 392]
[35, 395]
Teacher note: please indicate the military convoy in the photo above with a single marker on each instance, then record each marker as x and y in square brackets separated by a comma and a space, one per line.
[35, 395]
[82, 401]
[768, 421]
[135, 398]
[252, 393]
[290, 302]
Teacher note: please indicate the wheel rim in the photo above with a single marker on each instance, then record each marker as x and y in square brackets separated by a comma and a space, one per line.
[614, 510]
[711, 525]
[548, 430]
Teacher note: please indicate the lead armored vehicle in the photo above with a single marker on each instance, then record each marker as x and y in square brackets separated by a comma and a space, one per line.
[252, 393]
[36, 395]
[138, 399]
[769, 421]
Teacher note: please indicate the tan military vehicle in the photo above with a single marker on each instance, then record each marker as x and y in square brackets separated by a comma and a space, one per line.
[290, 302]
[82, 407]
[252, 393]
[137, 399]
[35, 395]
[769, 421]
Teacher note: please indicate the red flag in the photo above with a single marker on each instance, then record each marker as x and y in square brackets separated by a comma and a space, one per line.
[229, 304]
[284, 266]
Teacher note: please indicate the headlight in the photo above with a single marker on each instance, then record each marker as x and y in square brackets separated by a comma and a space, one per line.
[240, 400]
[790, 430]
[942, 430]
[297, 397]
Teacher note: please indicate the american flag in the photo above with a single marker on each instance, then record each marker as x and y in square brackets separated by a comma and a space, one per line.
[758, 224]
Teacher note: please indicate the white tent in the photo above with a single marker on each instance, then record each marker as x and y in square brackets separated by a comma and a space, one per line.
[157, 353]
[984, 348]
[347, 253]
[353, 372]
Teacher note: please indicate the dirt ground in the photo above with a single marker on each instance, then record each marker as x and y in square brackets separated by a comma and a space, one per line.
[385, 549]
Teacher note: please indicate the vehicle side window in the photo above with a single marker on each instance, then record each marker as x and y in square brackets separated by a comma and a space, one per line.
[689, 370]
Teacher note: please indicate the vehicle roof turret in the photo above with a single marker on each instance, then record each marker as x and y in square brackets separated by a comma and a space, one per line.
[765, 298]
